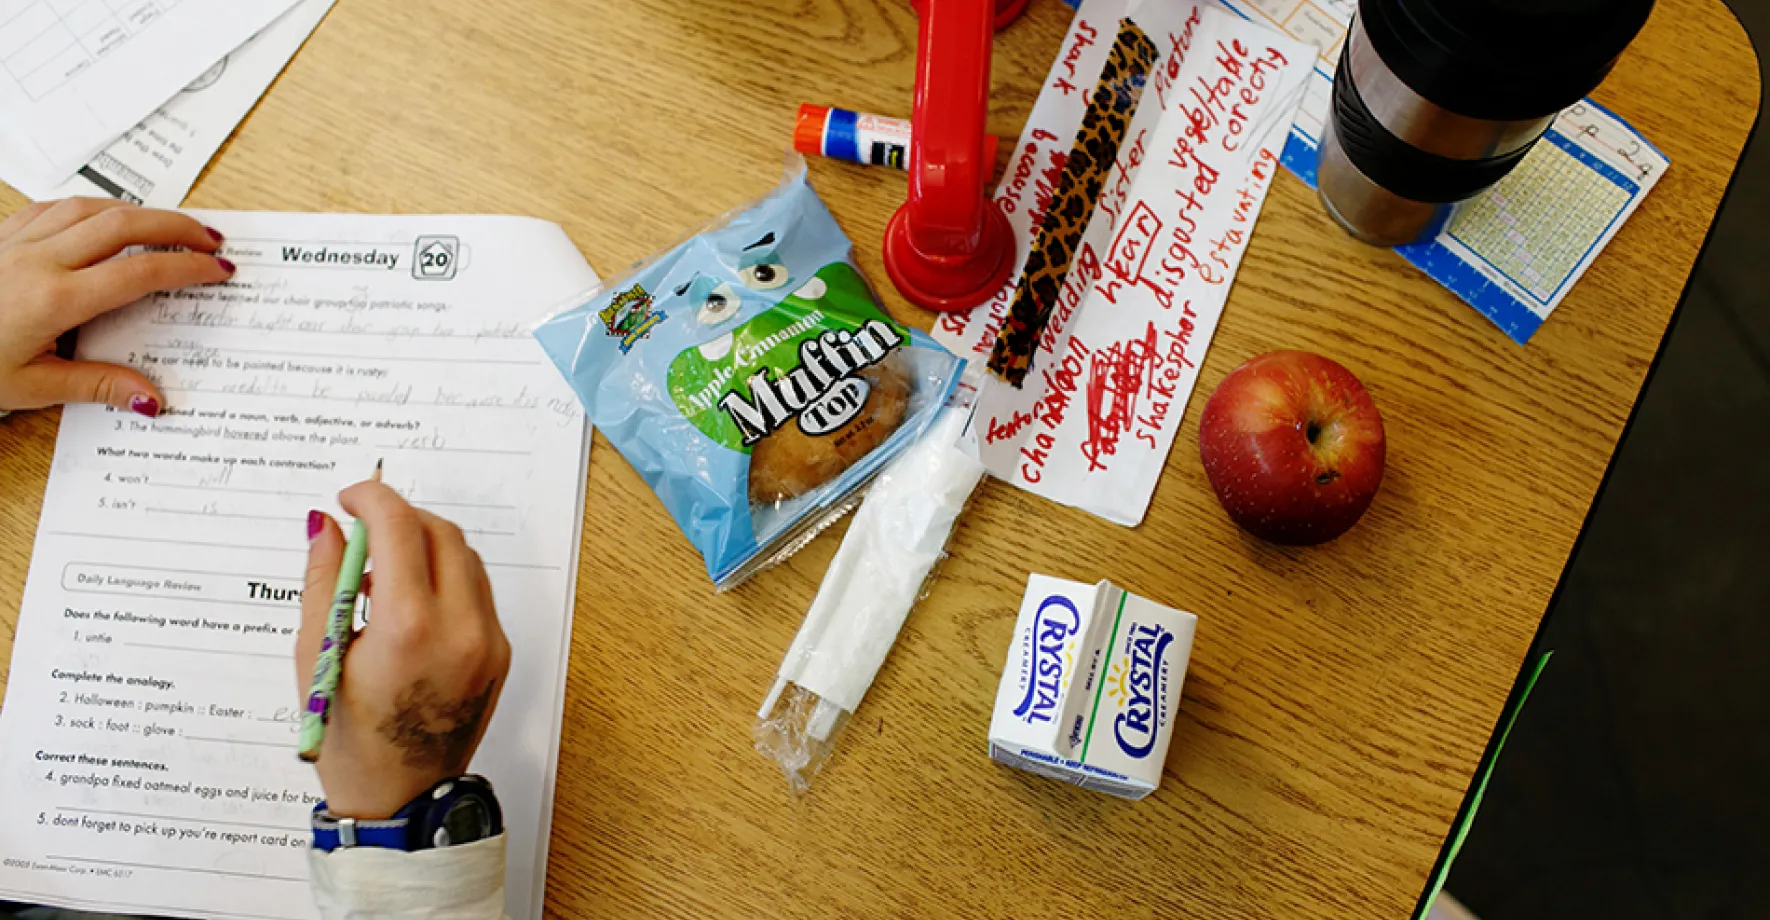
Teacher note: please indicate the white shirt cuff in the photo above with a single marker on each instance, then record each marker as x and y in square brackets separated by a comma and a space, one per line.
[371, 883]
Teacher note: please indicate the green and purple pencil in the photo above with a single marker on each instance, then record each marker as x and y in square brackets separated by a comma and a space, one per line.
[329, 666]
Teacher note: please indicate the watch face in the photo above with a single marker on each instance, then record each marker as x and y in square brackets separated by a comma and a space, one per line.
[467, 821]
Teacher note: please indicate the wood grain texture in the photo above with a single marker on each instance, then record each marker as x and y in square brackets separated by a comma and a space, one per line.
[1340, 697]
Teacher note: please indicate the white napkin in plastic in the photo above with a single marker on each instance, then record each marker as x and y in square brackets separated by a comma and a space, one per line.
[877, 575]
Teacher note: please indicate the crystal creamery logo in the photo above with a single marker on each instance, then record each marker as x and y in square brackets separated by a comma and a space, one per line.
[1137, 687]
[820, 390]
[1047, 658]
[630, 317]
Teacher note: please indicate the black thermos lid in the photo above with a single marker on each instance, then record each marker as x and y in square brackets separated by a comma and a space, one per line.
[1502, 60]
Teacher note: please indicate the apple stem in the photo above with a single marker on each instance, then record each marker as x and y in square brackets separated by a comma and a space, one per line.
[1313, 431]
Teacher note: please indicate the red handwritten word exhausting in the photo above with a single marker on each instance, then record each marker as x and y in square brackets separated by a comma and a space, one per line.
[1261, 169]
[1247, 199]
[1224, 246]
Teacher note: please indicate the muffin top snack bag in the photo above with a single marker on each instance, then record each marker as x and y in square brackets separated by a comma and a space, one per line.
[751, 378]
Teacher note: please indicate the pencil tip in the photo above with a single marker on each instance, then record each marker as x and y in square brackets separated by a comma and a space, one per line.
[378, 462]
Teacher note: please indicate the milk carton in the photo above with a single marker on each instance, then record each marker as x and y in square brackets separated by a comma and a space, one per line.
[1091, 686]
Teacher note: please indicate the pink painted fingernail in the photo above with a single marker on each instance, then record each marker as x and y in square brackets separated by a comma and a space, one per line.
[226, 266]
[214, 234]
[316, 522]
[144, 405]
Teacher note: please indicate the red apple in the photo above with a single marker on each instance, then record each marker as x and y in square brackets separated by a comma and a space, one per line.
[1293, 446]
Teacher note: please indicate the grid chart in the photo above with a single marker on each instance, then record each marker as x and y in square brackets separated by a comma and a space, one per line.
[1536, 226]
[1320, 24]
[44, 43]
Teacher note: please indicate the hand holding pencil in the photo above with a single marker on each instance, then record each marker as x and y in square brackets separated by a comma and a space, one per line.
[340, 629]
[418, 684]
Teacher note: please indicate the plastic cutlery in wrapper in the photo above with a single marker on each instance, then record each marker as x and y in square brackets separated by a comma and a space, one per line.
[877, 575]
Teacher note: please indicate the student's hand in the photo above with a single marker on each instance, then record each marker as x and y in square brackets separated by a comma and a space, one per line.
[57, 271]
[420, 681]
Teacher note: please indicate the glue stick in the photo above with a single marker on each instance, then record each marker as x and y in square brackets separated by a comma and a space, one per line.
[870, 140]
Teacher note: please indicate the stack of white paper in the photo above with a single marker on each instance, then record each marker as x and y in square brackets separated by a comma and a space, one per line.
[130, 98]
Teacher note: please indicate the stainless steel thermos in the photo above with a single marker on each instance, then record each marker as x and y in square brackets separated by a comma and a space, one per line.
[1435, 100]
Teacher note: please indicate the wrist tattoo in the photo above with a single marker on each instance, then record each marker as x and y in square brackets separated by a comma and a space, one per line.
[430, 730]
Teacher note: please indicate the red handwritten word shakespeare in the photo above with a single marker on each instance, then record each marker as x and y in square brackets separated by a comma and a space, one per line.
[1119, 374]
[1086, 35]
[1163, 386]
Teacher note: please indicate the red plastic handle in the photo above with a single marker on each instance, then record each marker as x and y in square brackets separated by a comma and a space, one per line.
[949, 247]
[1006, 11]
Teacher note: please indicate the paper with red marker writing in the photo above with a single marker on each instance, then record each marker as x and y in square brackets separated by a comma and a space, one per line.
[1120, 354]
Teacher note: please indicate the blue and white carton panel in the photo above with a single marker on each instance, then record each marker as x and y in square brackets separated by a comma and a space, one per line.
[1092, 686]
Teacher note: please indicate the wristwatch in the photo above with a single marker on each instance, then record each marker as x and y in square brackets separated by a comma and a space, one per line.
[451, 813]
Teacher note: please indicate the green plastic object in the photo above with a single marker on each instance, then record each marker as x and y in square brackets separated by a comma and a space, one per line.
[1460, 832]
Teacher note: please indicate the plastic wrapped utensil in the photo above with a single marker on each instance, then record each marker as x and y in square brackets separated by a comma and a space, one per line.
[877, 575]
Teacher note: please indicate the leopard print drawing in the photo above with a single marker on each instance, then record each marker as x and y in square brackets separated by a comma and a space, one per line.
[1084, 172]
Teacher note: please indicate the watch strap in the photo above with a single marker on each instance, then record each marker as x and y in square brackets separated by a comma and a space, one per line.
[331, 833]
[420, 825]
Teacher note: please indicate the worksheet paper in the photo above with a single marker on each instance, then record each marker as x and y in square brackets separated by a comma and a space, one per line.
[1513, 251]
[76, 74]
[148, 741]
[156, 162]
[1119, 357]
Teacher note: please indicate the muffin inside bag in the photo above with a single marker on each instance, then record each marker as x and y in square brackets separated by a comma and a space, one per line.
[750, 377]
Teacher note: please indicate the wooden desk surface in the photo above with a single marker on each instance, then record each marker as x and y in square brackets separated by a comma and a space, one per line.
[1339, 698]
